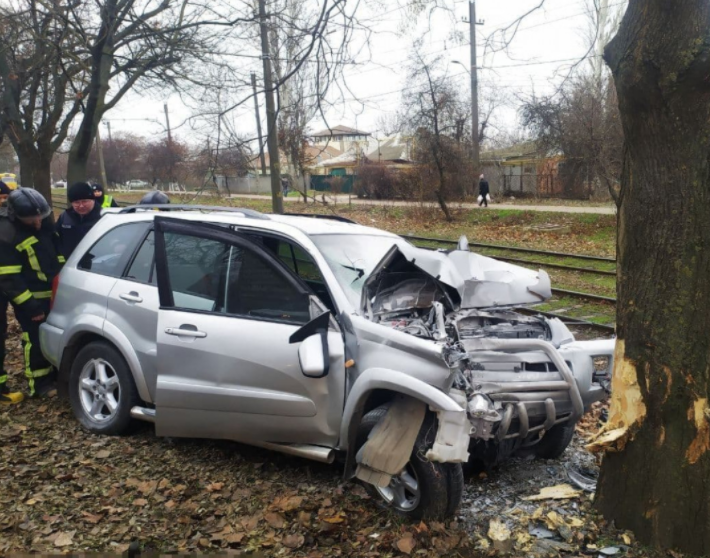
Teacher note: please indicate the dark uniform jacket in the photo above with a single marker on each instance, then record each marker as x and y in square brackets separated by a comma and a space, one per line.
[483, 188]
[29, 262]
[72, 227]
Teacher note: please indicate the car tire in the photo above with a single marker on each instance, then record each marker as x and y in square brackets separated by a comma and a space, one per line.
[439, 486]
[555, 442]
[101, 389]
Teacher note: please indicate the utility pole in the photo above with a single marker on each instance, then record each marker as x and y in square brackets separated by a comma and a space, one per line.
[472, 22]
[277, 201]
[167, 122]
[100, 152]
[258, 126]
[108, 126]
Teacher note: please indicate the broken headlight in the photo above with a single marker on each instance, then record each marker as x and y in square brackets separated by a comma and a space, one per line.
[602, 372]
[601, 364]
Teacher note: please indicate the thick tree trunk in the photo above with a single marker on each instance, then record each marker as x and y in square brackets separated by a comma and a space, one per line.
[42, 177]
[655, 477]
[26, 165]
[77, 164]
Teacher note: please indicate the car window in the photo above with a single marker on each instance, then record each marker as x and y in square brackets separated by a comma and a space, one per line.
[195, 266]
[214, 276]
[299, 262]
[142, 268]
[109, 254]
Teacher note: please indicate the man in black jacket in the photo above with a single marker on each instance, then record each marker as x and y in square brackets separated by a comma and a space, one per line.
[29, 262]
[78, 219]
[483, 191]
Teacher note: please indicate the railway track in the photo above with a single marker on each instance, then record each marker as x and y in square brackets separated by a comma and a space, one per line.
[570, 321]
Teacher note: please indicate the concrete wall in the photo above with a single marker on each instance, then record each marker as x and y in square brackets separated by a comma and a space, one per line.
[244, 185]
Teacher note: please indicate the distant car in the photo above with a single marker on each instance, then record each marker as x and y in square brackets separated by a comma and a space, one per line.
[9, 179]
[61, 184]
[137, 185]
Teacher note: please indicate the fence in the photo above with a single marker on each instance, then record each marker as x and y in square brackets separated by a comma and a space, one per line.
[570, 185]
[343, 184]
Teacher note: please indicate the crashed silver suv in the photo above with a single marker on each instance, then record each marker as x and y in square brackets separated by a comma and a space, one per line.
[318, 338]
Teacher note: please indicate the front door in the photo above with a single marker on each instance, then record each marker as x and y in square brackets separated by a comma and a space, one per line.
[226, 368]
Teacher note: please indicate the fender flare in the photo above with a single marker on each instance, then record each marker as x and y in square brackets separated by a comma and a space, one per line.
[121, 342]
[390, 380]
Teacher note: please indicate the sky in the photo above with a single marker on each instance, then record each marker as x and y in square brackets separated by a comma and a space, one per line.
[547, 43]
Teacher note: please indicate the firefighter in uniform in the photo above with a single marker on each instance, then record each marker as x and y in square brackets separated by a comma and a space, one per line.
[29, 262]
[103, 200]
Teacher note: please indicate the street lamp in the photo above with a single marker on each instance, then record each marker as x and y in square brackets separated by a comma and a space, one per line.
[462, 64]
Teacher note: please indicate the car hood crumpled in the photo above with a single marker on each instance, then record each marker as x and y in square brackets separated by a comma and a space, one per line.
[481, 282]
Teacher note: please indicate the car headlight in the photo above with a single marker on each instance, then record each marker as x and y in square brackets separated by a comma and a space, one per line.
[601, 363]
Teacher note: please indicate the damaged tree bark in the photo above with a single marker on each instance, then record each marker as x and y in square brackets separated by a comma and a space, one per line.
[655, 477]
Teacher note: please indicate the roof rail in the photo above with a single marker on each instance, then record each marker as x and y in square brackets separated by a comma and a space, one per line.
[250, 213]
[321, 216]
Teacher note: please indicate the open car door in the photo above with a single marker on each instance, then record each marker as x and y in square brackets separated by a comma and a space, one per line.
[226, 367]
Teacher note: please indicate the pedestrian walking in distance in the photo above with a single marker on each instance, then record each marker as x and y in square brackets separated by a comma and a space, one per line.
[483, 191]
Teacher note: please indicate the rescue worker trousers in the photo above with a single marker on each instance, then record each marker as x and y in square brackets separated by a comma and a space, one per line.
[36, 366]
[3, 338]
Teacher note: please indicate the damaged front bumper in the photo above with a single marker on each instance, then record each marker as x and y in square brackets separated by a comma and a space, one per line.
[520, 388]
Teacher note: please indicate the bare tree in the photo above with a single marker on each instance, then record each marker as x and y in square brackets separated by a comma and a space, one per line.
[582, 123]
[138, 43]
[166, 160]
[123, 159]
[36, 103]
[435, 114]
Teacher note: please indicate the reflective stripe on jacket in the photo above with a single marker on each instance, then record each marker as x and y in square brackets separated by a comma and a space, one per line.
[29, 262]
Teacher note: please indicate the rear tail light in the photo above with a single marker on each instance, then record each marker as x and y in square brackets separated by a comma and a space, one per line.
[55, 286]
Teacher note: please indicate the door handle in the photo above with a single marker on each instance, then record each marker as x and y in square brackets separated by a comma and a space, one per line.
[130, 297]
[180, 332]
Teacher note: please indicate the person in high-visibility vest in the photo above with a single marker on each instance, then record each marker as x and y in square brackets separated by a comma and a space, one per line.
[29, 262]
[103, 200]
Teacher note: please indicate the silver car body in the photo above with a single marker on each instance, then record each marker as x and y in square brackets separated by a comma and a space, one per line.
[242, 379]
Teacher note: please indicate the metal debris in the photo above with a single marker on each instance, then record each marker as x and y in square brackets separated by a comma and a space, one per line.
[583, 479]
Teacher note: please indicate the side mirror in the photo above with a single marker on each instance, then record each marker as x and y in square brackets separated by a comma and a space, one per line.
[313, 356]
[313, 353]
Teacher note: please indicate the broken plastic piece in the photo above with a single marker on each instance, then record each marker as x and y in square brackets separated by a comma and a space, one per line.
[452, 436]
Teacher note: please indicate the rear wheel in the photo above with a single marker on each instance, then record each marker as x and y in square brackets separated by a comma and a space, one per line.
[101, 389]
[424, 489]
[555, 442]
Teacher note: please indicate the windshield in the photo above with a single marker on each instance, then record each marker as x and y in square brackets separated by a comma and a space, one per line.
[353, 257]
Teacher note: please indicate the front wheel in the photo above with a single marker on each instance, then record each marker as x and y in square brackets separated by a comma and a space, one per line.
[424, 489]
[101, 389]
[555, 442]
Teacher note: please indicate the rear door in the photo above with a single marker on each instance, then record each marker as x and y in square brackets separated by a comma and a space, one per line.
[133, 306]
[226, 368]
